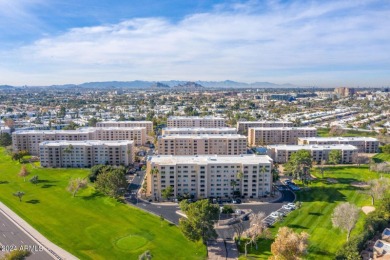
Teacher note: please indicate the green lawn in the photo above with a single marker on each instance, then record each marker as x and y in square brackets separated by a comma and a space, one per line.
[324, 132]
[315, 215]
[90, 226]
[381, 157]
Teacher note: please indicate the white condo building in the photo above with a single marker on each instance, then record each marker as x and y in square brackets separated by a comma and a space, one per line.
[147, 124]
[278, 135]
[29, 140]
[242, 126]
[282, 153]
[364, 144]
[229, 144]
[195, 121]
[210, 176]
[85, 154]
[199, 131]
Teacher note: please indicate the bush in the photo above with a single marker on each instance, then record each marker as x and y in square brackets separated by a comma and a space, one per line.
[385, 149]
[227, 209]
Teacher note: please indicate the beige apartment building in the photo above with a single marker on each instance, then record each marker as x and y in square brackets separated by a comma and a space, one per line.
[29, 140]
[364, 144]
[242, 126]
[278, 135]
[210, 176]
[147, 124]
[319, 153]
[199, 131]
[85, 154]
[232, 144]
[195, 121]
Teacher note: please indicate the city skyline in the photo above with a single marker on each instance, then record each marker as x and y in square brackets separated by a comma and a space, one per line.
[308, 43]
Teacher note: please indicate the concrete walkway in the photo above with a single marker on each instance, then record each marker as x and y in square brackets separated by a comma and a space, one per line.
[220, 249]
[48, 246]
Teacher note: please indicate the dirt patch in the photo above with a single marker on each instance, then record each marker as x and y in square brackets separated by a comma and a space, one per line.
[359, 184]
[368, 209]
[330, 180]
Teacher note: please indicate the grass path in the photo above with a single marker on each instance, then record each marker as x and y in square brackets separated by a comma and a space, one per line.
[90, 226]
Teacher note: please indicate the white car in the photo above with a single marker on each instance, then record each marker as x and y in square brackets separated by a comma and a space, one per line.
[287, 207]
[276, 214]
[292, 205]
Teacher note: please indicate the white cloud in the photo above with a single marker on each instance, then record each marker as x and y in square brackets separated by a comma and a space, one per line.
[314, 41]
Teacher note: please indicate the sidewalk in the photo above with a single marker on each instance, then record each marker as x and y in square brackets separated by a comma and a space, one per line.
[260, 201]
[51, 248]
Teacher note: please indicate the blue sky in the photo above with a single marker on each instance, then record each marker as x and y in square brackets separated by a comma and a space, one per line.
[322, 43]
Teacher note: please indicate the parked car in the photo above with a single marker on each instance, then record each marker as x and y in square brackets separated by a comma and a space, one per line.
[287, 207]
[276, 214]
[292, 205]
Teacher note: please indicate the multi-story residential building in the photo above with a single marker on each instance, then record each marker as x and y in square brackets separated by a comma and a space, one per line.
[136, 134]
[199, 131]
[319, 153]
[210, 176]
[230, 144]
[85, 154]
[5, 130]
[278, 135]
[344, 92]
[147, 124]
[364, 144]
[242, 126]
[195, 121]
[29, 140]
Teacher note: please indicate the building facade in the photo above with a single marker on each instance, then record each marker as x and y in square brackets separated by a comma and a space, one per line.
[199, 131]
[210, 176]
[29, 140]
[364, 144]
[278, 135]
[319, 153]
[147, 124]
[195, 121]
[233, 144]
[242, 126]
[344, 92]
[85, 154]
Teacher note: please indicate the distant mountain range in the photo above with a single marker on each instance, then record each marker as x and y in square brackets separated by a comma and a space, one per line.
[174, 84]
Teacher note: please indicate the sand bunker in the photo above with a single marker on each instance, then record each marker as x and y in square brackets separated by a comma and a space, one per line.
[368, 209]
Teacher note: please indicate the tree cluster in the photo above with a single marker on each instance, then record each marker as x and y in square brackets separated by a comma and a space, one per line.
[201, 217]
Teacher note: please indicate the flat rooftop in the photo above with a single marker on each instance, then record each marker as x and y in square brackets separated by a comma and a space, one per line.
[336, 139]
[186, 129]
[195, 117]
[85, 143]
[201, 136]
[313, 147]
[81, 130]
[85, 130]
[110, 128]
[283, 128]
[211, 159]
[262, 122]
[126, 122]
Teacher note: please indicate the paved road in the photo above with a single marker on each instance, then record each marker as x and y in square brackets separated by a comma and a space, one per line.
[11, 235]
[169, 211]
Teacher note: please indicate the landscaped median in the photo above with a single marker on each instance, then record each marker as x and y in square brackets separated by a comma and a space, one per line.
[318, 203]
[90, 225]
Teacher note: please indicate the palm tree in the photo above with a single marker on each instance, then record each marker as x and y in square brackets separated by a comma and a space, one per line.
[154, 172]
[261, 173]
[233, 183]
[68, 150]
